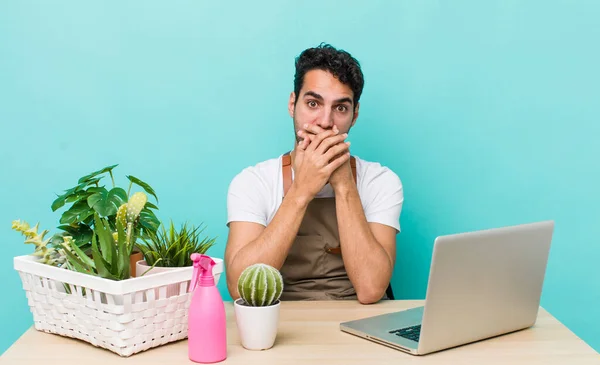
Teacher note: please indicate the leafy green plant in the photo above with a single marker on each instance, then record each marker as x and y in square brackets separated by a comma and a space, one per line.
[173, 248]
[110, 250]
[89, 197]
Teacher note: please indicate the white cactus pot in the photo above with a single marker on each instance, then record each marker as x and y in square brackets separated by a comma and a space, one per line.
[257, 326]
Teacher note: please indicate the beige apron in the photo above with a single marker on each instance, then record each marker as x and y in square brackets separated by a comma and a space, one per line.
[314, 269]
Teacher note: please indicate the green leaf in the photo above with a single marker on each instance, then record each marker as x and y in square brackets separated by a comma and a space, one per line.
[77, 196]
[81, 233]
[96, 173]
[76, 189]
[143, 185]
[145, 251]
[72, 230]
[87, 261]
[172, 247]
[154, 259]
[124, 253]
[180, 255]
[62, 199]
[89, 220]
[89, 182]
[102, 267]
[77, 263]
[150, 206]
[86, 215]
[70, 195]
[58, 203]
[98, 195]
[148, 220]
[72, 215]
[105, 238]
[106, 203]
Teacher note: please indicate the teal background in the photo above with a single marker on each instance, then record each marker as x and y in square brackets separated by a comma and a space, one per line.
[487, 110]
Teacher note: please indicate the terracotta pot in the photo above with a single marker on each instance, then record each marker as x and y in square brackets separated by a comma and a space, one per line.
[133, 259]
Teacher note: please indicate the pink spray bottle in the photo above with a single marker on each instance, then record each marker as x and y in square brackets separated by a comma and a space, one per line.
[207, 327]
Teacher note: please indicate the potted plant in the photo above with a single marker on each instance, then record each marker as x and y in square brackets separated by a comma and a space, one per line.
[79, 282]
[257, 310]
[171, 249]
[89, 197]
[111, 251]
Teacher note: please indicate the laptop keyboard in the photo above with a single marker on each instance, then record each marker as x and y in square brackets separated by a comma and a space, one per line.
[412, 333]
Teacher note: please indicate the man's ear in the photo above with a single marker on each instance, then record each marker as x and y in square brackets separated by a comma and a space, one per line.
[355, 113]
[292, 104]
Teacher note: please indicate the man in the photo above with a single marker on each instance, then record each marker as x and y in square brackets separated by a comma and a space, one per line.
[327, 220]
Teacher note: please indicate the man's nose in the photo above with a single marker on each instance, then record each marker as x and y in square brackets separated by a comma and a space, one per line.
[326, 120]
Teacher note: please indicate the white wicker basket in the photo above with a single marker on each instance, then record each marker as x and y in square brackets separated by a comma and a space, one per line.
[125, 317]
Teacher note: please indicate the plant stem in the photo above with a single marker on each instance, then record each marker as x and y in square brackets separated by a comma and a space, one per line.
[129, 190]
[112, 178]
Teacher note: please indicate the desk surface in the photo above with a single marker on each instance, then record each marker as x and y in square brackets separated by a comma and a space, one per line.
[309, 334]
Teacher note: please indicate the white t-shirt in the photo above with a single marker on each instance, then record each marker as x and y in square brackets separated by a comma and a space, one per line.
[256, 193]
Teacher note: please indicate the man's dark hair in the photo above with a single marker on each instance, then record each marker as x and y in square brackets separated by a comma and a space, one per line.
[336, 61]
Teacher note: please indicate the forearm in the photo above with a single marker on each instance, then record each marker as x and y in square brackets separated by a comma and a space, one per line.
[271, 247]
[368, 265]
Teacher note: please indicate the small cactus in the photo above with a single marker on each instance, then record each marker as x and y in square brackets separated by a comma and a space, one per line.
[128, 213]
[122, 215]
[260, 285]
[135, 205]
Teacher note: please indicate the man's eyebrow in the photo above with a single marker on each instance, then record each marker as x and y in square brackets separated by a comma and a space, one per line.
[319, 97]
[313, 94]
[344, 100]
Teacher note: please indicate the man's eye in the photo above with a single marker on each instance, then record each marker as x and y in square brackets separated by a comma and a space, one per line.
[341, 108]
[312, 104]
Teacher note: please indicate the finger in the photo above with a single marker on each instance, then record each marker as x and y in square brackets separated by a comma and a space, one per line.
[306, 139]
[331, 141]
[336, 163]
[316, 140]
[304, 134]
[314, 129]
[303, 144]
[336, 150]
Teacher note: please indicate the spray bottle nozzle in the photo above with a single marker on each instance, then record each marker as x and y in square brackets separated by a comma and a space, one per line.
[203, 270]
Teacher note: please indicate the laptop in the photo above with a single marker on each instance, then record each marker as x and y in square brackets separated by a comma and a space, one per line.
[481, 284]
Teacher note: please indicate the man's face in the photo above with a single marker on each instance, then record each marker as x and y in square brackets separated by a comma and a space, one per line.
[323, 101]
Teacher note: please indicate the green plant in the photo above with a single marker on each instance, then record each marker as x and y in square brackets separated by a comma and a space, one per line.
[88, 198]
[173, 248]
[110, 250]
[260, 285]
[47, 253]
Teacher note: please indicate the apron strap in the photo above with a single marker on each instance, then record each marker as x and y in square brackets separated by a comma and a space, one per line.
[286, 167]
